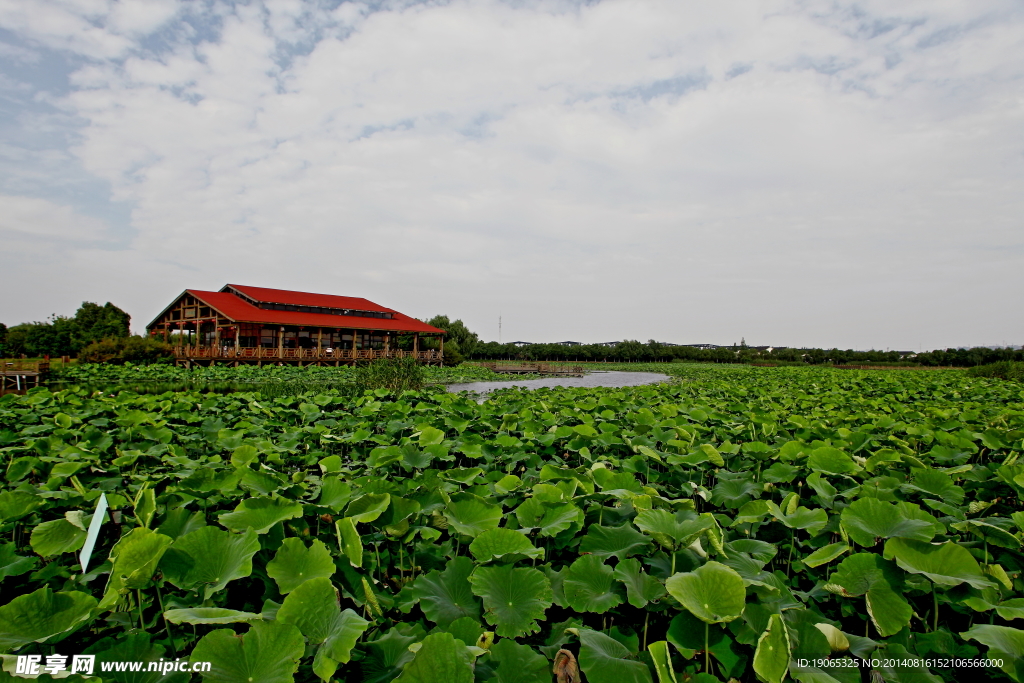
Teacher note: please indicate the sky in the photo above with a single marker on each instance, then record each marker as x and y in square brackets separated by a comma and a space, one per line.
[795, 173]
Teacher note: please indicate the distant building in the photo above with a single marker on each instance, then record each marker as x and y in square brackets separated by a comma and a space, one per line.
[521, 343]
[242, 325]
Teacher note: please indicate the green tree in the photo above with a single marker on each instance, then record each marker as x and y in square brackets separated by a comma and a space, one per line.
[95, 322]
[465, 340]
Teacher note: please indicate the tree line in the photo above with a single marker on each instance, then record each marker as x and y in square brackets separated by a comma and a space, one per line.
[461, 343]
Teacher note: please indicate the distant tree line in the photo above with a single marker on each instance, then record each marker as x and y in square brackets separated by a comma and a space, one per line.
[94, 334]
[460, 343]
[65, 336]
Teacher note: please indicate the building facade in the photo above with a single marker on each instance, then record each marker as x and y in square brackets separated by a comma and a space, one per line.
[256, 325]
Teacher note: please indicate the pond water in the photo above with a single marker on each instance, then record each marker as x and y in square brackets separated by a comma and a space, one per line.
[591, 379]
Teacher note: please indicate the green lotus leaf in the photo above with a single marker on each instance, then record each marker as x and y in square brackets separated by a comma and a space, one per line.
[16, 504]
[641, 588]
[1011, 609]
[588, 585]
[751, 512]
[662, 659]
[771, 660]
[825, 491]
[801, 518]
[295, 563]
[57, 537]
[260, 514]
[386, 656]
[350, 541]
[243, 455]
[42, 614]
[759, 550]
[210, 557]
[440, 659]
[614, 541]
[519, 663]
[269, 653]
[936, 484]
[136, 647]
[947, 564]
[470, 515]
[368, 507]
[181, 521]
[989, 532]
[446, 596]
[714, 593]
[503, 544]
[879, 581]
[135, 558]
[12, 564]
[315, 608]
[514, 598]
[750, 570]
[734, 493]
[686, 632]
[1003, 643]
[673, 530]
[549, 518]
[831, 461]
[208, 615]
[881, 457]
[334, 493]
[466, 629]
[605, 660]
[867, 520]
[826, 554]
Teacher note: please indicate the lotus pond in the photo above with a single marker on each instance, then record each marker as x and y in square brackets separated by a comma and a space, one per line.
[749, 523]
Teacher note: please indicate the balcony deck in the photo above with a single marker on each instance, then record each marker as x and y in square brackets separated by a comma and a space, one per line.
[189, 356]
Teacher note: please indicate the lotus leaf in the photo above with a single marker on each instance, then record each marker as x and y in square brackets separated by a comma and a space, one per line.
[295, 563]
[260, 514]
[269, 652]
[514, 598]
[588, 586]
[714, 593]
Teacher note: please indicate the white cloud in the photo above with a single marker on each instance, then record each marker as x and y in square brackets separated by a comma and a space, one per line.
[795, 173]
[28, 217]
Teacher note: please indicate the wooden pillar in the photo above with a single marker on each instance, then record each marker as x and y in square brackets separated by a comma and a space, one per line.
[416, 345]
[280, 342]
[441, 353]
[387, 344]
[238, 334]
[319, 341]
[216, 335]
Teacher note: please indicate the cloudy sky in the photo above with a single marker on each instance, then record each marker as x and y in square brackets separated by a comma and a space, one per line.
[823, 173]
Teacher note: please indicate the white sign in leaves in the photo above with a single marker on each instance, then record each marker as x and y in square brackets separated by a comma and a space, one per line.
[93, 533]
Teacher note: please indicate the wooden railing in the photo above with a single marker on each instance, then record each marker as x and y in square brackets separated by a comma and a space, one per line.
[15, 366]
[230, 353]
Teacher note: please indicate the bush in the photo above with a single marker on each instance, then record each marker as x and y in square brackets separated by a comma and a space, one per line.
[1007, 369]
[120, 350]
[393, 374]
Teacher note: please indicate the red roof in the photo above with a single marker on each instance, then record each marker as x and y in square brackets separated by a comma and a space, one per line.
[241, 311]
[283, 296]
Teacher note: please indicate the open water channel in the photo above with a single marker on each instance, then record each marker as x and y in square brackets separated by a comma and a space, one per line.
[600, 378]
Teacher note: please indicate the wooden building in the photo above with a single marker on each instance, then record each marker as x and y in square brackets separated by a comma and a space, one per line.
[255, 325]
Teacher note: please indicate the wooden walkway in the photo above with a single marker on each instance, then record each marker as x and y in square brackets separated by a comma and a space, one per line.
[539, 368]
[190, 356]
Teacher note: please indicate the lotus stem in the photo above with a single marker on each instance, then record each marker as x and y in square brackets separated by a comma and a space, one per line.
[707, 660]
[167, 627]
[138, 596]
[647, 616]
[935, 608]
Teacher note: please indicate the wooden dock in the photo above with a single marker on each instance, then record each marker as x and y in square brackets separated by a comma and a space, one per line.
[539, 368]
[22, 375]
